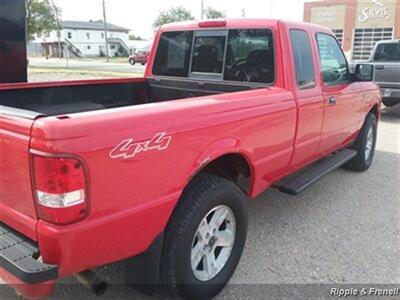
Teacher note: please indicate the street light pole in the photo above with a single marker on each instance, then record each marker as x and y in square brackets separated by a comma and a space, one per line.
[202, 9]
[105, 30]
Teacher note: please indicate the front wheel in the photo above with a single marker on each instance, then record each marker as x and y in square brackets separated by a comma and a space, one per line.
[204, 238]
[132, 61]
[364, 145]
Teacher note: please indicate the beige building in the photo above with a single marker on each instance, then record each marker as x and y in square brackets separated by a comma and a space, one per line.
[358, 24]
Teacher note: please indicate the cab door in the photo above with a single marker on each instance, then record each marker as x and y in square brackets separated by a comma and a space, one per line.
[307, 90]
[342, 97]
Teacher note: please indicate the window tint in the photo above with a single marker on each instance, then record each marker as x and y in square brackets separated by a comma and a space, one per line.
[303, 59]
[173, 54]
[388, 52]
[208, 54]
[333, 62]
[250, 56]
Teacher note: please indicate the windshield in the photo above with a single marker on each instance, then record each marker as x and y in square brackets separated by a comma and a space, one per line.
[388, 52]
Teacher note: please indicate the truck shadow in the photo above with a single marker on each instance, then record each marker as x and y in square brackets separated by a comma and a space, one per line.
[339, 230]
[391, 114]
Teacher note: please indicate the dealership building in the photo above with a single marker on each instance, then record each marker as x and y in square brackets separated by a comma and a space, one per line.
[357, 24]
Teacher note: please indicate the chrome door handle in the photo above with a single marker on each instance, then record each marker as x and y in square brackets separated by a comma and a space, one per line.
[379, 67]
[332, 100]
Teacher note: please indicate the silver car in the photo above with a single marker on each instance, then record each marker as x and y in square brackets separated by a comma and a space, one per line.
[386, 61]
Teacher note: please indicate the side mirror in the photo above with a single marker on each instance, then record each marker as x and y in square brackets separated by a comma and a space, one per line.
[363, 72]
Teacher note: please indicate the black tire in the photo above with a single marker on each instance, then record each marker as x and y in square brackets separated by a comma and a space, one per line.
[202, 195]
[132, 61]
[390, 102]
[143, 64]
[360, 162]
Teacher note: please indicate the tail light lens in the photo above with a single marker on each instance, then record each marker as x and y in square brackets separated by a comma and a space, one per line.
[60, 188]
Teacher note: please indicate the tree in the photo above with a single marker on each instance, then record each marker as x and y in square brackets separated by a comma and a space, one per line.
[134, 37]
[42, 17]
[212, 13]
[172, 15]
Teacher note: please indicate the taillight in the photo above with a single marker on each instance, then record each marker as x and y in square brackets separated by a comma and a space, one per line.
[60, 188]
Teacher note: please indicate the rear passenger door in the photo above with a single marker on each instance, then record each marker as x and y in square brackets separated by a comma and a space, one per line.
[341, 96]
[309, 97]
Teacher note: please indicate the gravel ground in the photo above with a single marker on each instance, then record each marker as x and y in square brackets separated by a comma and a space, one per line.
[345, 229]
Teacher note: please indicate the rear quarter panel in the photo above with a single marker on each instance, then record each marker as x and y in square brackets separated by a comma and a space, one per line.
[17, 207]
[132, 198]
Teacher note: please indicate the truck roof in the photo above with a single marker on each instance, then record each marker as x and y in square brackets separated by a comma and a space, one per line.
[388, 41]
[237, 23]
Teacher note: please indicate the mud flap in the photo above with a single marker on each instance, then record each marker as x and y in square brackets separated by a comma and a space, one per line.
[142, 270]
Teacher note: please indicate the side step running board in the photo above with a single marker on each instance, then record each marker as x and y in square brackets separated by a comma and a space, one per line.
[299, 182]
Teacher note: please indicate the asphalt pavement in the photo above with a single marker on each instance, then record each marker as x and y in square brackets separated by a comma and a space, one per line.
[343, 230]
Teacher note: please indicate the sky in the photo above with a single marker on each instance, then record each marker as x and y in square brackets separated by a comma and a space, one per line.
[139, 15]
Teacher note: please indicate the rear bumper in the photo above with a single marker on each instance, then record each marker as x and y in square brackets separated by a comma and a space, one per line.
[18, 256]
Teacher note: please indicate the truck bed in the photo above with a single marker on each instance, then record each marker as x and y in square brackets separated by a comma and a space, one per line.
[51, 99]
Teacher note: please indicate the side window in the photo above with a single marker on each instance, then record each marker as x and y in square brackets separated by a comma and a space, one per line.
[208, 54]
[388, 52]
[250, 56]
[333, 62]
[303, 59]
[173, 54]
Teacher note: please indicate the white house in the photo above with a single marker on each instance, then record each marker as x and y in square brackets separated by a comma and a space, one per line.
[85, 39]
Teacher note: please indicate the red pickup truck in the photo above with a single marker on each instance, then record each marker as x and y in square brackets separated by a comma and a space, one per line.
[158, 170]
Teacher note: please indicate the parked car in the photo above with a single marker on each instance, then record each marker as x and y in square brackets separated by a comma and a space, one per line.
[159, 170]
[386, 60]
[139, 57]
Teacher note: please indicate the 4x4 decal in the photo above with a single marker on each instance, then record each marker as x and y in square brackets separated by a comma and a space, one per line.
[128, 148]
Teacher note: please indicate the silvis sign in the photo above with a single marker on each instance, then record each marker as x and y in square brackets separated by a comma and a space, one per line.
[377, 11]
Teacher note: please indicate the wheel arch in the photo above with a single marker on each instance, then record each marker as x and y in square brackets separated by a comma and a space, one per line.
[226, 158]
[375, 109]
[232, 166]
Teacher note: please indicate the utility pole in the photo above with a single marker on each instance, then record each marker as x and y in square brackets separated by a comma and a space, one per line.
[58, 29]
[202, 9]
[105, 29]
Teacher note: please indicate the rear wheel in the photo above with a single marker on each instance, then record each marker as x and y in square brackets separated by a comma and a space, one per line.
[204, 238]
[364, 145]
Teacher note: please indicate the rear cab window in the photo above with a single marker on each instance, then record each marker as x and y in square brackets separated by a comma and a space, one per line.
[208, 53]
[236, 55]
[250, 56]
[173, 54]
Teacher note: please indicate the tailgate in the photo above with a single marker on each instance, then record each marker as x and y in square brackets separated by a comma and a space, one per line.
[16, 200]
